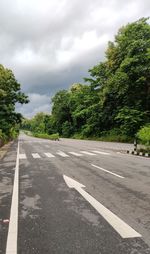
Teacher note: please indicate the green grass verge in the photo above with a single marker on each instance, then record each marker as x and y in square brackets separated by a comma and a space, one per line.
[107, 138]
[46, 136]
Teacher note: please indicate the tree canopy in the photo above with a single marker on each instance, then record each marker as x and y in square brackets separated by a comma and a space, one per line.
[116, 96]
[10, 94]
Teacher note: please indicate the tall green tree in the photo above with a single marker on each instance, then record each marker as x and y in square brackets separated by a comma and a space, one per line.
[10, 94]
[124, 78]
[61, 109]
[116, 97]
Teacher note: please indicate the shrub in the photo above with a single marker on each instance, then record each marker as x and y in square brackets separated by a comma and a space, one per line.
[144, 135]
[3, 138]
[128, 117]
[13, 133]
[115, 135]
[46, 136]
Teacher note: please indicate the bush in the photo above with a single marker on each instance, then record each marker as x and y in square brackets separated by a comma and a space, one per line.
[115, 135]
[46, 136]
[128, 117]
[13, 133]
[78, 136]
[3, 138]
[144, 135]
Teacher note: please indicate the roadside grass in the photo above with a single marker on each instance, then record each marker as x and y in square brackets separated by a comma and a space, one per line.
[106, 138]
[143, 149]
[43, 135]
[46, 136]
[4, 149]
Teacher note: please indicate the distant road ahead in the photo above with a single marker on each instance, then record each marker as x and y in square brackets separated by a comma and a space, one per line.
[74, 197]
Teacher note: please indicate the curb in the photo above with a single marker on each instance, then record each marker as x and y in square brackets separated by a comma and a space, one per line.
[138, 153]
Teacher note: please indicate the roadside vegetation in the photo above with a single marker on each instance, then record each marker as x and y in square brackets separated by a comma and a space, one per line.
[143, 136]
[114, 102]
[43, 135]
[10, 94]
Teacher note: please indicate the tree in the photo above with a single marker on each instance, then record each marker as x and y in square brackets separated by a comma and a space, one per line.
[10, 94]
[116, 98]
[130, 120]
[144, 135]
[49, 124]
[61, 110]
[123, 80]
[130, 55]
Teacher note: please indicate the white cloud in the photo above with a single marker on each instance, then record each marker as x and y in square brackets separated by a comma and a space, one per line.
[80, 46]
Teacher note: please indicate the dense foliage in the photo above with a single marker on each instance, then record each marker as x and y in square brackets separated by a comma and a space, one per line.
[10, 94]
[115, 101]
[144, 135]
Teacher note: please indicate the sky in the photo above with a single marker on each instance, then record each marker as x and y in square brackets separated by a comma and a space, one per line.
[51, 44]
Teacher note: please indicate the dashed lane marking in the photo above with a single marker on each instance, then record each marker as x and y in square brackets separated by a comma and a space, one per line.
[107, 171]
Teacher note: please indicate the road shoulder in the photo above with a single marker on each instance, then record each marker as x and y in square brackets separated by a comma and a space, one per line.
[7, 169]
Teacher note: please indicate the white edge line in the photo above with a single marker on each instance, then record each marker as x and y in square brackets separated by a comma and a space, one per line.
[11, 246]
[107, 171]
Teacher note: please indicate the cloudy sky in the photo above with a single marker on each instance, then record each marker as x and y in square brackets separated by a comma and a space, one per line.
[51, 44]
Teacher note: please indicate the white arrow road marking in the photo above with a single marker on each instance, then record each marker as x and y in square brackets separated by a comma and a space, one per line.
[123, 229]
[22, 156]
[101, 152]
[107, 171]
[36, 155]
[76, 154]
[11, 246]
[49, 155]
[88, 153]
[62, 154]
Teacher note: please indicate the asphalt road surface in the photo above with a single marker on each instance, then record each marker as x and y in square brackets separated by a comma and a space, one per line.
[73, 197]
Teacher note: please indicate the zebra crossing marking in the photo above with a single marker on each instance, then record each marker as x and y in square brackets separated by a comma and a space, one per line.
[49, 155]
[99, 152]
[76, 154]
[36, 155]
[87, 153]
[22, 156]
[62, 154]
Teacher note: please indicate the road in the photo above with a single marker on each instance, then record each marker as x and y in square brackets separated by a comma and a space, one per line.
[73, 197]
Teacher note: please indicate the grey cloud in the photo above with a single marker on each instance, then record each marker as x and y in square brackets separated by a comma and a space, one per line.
[38, 103]
[51, 44]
